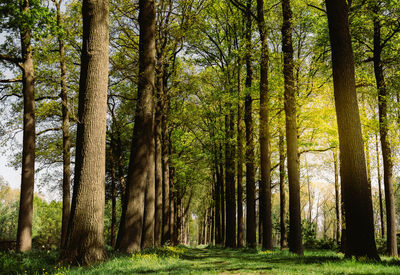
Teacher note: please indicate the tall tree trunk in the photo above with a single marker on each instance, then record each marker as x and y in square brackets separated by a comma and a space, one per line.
[173, 209]
[295, 236]
[166, 213]
[265, 163]
[149, 201]
[66, 186]
[158, 165]
[378, 168]
[248, 119]
[25, 216]
[360, 238]
[130, 232]
[282, 193]
[240, 160]
[212, 226]
[230, 240]
[222, 192]
[337, 198]
[218, 231]
[113, 193]
[85, 236]
[384, 135]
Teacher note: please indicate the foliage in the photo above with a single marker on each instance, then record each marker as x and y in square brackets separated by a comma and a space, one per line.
[309, 233]
[8, 211]
[46, 218]
[46, 223]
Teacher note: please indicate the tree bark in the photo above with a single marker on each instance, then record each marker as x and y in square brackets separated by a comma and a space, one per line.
[222, 192]
[66, 187]
[25, 216]
[166, 213]
[173, 210]
[149, 201]
[295, 236]
[130, 232]
[218, 231]
[282, 192]
[337, 198]
[240, 158]
[158, 165]
[230, 240]
[379, 187]
[85, 237]
[113, 193]
[360, 238]
[265, 163]
[384, 135]
[248, 119]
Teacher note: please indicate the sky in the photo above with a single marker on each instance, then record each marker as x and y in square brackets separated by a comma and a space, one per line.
[12, 176]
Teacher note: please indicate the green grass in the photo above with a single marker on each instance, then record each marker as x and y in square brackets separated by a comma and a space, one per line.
[183, 260]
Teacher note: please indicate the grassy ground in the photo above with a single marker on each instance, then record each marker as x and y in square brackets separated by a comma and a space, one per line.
[182, 260]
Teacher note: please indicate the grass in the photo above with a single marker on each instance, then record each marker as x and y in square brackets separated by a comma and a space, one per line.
[201, 260]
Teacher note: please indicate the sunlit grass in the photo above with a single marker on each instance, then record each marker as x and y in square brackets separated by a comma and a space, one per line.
[213, 260]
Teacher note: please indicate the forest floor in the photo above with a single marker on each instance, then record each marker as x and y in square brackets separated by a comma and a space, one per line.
[201, 260]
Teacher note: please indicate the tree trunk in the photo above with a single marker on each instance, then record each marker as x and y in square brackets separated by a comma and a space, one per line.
[295, 236]
[378, 168]
[265, 163]
[218, 231]
[130, 232]
[113, 194]
[173, 210]
[85, 237]
[282, 193]
[360, 238]
[240, 138]
[158, 165]
[248, 119]
[66, 187]
[166, 213]
[230, 240]
[149, 202]
[337, 198]
[222, 192]
[24, 232]
[384, 135]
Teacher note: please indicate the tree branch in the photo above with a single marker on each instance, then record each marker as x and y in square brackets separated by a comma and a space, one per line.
[12, 59]
[9, 95]
[317, 150]
[17, 79]
[48, 130]
[315, 7]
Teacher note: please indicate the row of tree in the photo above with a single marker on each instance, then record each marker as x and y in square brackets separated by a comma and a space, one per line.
[194, 123]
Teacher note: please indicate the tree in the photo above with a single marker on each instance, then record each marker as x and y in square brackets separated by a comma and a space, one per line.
[295, 240]
[19, 18]
[248, 120]
[384, 133]
[130, 230]
[85, 239]
[24, 233]
[282, 192]
[66, 186]
[265, 163]
[240, 157]
[360, 238]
